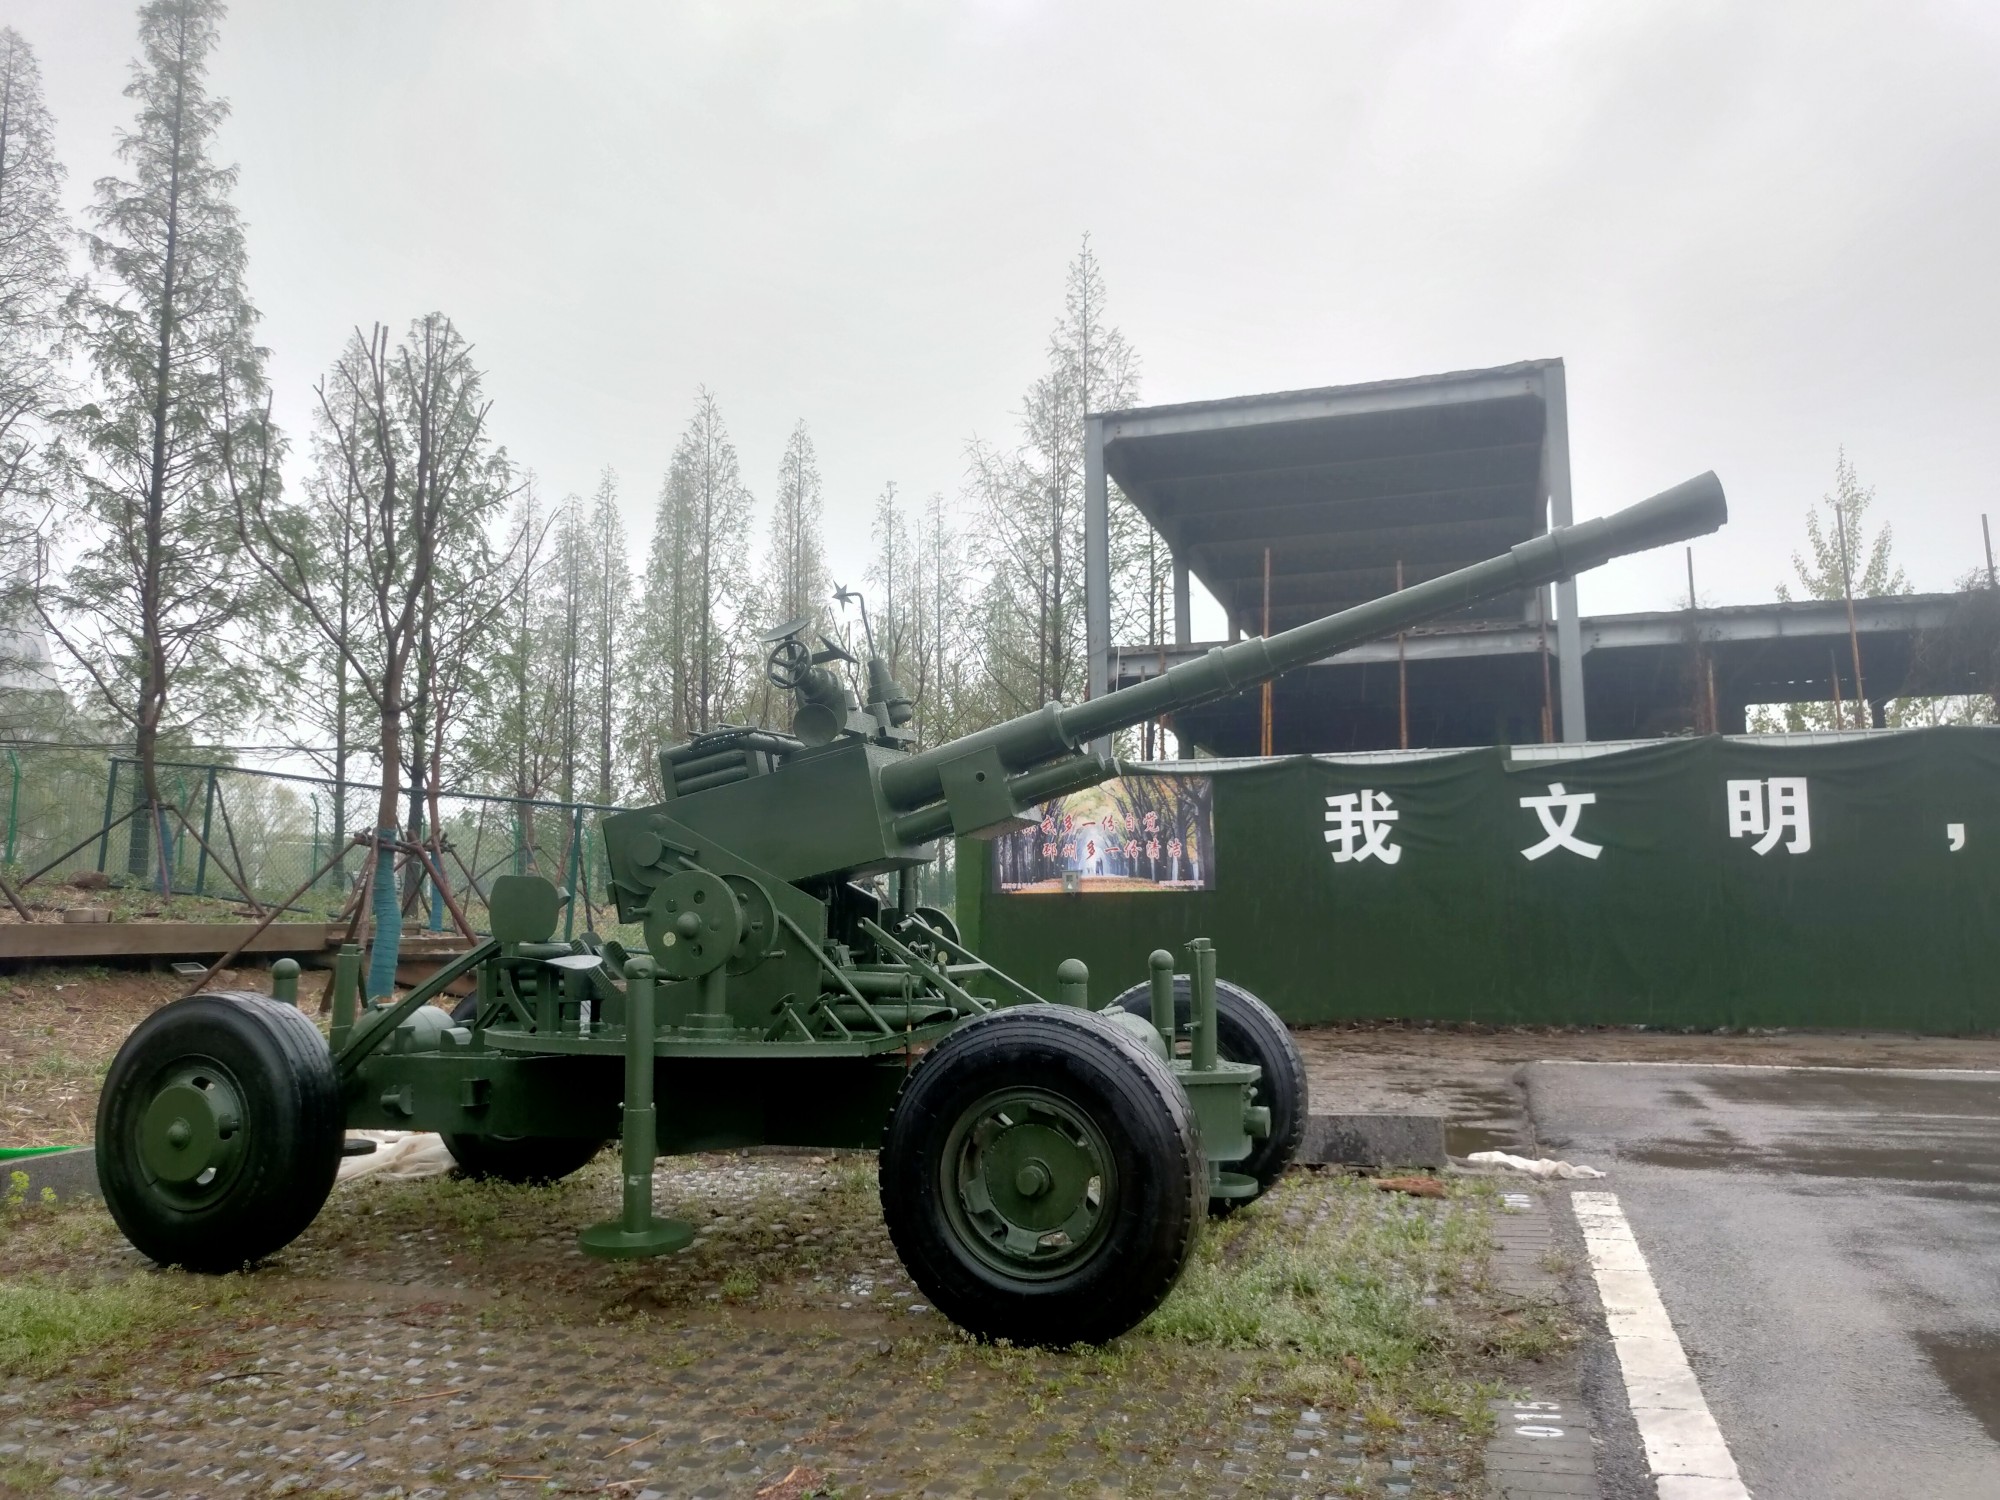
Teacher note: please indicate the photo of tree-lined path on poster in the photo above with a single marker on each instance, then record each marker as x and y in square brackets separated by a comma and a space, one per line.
[1136, 833]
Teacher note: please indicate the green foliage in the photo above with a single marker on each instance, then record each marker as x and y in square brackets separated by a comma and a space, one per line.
[33, 271]
[1841, 549]
[691, 640]
[157, 610]
[44, 1324]
[1840, 555]
[1030, 500]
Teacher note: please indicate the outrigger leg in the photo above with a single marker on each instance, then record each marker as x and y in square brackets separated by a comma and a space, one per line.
[636, 1232]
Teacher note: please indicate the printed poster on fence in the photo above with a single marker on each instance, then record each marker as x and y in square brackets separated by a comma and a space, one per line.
[1140, 833]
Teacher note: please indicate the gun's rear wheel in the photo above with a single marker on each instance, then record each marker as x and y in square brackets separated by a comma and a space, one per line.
[1041, 1178]
[219, 1130]
[521, 1159]
[1247, 1031]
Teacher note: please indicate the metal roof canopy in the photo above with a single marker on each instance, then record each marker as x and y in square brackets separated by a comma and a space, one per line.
[1340, 484]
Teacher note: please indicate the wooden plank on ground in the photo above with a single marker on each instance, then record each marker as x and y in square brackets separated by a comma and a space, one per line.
[154, 939]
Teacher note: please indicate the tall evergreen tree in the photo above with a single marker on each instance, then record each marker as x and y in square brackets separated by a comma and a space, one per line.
[509, 743]
[34, 275]
[157, 609]
[1031, 502]
[605, 628]
[942, 678]
[690, 630]
[891, 584]
[794, 581]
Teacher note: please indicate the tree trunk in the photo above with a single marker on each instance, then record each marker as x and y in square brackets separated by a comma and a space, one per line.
[388, 909]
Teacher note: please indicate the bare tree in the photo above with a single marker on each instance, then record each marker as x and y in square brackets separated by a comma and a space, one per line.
[410, 428]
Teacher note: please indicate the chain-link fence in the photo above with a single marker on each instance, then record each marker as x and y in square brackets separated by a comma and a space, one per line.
[281, 838]
[284, 838]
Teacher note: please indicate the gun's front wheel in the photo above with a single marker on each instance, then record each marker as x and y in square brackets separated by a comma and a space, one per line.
[219, 1130]
[1042, 1177]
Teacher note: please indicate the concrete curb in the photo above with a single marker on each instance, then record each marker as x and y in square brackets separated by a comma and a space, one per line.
[1402, 1140]
[67, 1174]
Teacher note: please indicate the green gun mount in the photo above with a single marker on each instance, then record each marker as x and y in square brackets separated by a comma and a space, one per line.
[1044, 1166]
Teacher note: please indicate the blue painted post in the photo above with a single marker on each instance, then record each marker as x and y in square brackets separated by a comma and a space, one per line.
[388, 918]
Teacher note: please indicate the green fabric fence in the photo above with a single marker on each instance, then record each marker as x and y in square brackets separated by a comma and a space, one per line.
[1736, 882]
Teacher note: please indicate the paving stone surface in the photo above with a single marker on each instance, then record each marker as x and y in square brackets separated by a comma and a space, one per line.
[1543, 1445]
[394, 1351]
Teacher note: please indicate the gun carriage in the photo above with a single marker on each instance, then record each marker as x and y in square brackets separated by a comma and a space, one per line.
[1044, 1167]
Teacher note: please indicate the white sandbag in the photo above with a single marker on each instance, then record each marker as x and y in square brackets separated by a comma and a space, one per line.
[1545, 1167]
[401, 1154]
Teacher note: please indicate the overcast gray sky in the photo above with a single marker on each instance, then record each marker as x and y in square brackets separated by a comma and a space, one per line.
[1755, 232]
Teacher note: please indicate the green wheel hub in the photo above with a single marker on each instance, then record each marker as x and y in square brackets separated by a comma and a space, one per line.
[191, 1132]
[1029, 1183]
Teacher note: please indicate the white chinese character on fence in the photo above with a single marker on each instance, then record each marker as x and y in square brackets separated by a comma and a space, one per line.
[1364, 816]
[1559, 812]
[1770, 809]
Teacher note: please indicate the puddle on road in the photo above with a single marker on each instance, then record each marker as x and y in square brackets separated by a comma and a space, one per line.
[1970, 1365]
[1485, 1119]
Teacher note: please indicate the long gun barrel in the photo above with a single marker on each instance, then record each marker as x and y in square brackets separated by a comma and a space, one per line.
[1054, 732]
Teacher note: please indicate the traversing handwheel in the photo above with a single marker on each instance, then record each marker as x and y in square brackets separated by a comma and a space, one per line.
[219, 1130]
[1041, 1177]
[1247, 1031]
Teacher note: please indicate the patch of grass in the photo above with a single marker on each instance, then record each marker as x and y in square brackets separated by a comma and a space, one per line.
[1365, 1300]
[44, 1323]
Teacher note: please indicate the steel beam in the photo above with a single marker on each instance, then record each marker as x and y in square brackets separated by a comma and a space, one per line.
[1555, 477]
[1096, 561]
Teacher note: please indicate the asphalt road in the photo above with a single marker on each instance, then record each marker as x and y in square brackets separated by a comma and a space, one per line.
[1827, 1244]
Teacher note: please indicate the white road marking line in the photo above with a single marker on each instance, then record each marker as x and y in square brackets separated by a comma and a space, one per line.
[1684, 1448]
[1739, 1067]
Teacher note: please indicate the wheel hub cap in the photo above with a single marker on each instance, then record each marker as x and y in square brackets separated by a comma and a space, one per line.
[189, 1132]
[1030, 1182]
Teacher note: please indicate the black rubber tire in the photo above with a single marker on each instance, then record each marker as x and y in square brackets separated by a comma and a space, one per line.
[521, 1159]
[1128, 1095]
[292, 1126]
[1247, 1031]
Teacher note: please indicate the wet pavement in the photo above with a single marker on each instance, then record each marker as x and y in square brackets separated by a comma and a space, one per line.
[1827, 1244]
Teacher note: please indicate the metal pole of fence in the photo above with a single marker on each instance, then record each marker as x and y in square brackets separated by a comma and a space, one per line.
[207, 819]
[110, 801]
[575, 839]
[313, 798]
[13, 804]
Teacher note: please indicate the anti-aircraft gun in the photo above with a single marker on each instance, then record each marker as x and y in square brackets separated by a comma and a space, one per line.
[1043, 1165]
